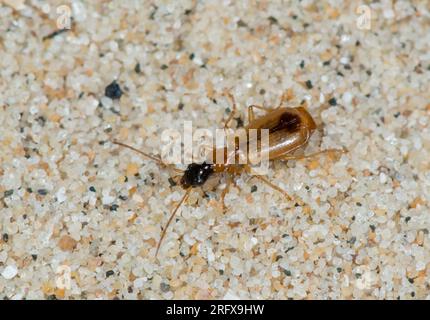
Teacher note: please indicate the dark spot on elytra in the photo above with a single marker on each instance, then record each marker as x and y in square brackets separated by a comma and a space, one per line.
[287, 121]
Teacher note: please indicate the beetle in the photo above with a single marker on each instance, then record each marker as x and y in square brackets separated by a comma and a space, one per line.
[290, 129]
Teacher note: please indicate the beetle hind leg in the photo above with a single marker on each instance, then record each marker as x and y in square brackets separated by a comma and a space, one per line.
[251, 115]
[234, 108]
[312, 155]
[270, 184]
[286, 96]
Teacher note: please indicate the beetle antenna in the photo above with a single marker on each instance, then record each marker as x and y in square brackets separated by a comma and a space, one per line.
[187, 193]
[155, 158]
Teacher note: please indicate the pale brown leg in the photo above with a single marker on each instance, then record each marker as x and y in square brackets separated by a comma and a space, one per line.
[233, 111]
[251, 115]
[284, 98]
[313, 154]
[273, 186]
[177, 179]
[224, 192]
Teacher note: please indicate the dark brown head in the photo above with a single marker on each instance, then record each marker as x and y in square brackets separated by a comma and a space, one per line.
[196, 175]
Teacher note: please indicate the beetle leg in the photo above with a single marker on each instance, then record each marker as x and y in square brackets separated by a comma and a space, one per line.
[273, 186]
[313, 154]
[267, 182]
[283, 99]
[230, 180]
[286, 96]
[224, 192]
[232, 113]
[251, 115]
